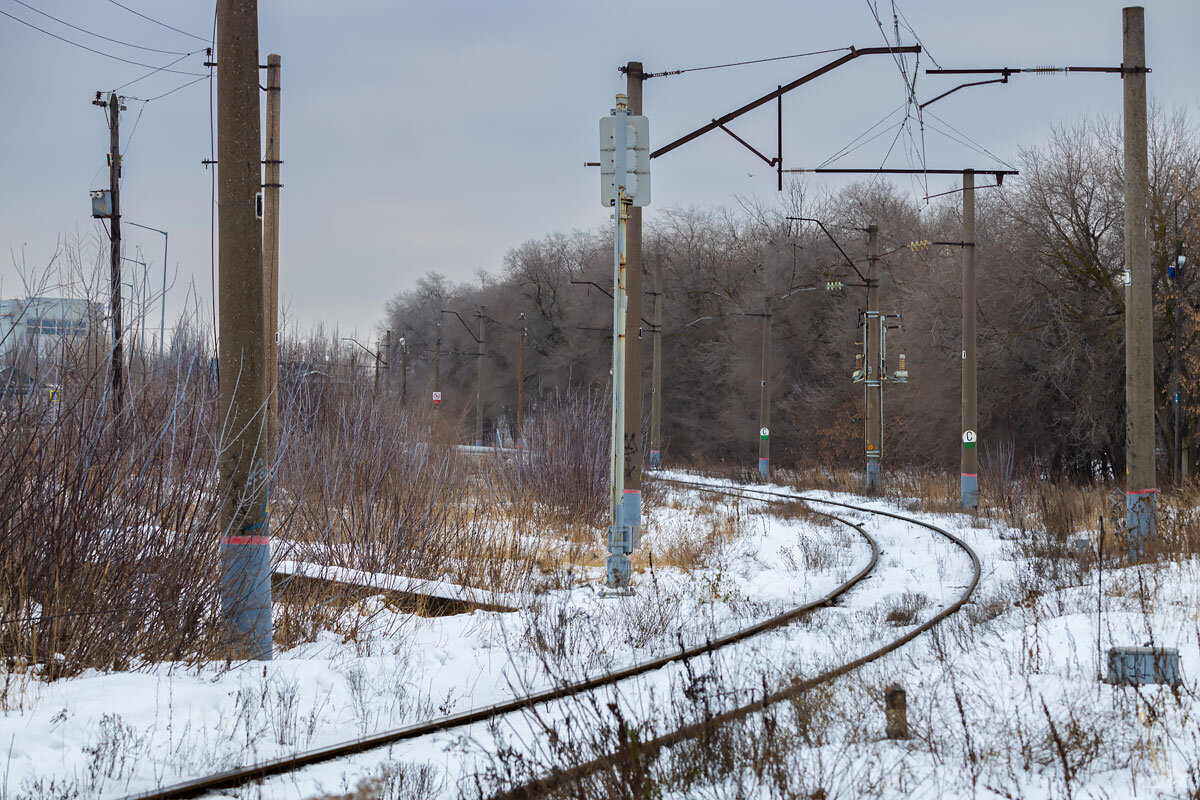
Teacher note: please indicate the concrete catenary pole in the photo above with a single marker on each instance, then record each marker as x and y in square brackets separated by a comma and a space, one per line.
[378, 358]
[1140, 485]
[969, 482]
[764, 399]
[114, 183]
[388, 360]
[521, 380]
[437, 368]
[1177, 355]
[245, 543]
[873, 378]
[271, 187]
[633, 339]
[479, 380]
[656, 371]
[404, 371]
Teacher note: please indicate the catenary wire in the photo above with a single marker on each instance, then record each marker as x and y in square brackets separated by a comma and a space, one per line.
[165, 25]
[966, 141]
[850, 147]
[97, 35]
[969, 139]
[743, 63]
[910, 29]
[91, 49]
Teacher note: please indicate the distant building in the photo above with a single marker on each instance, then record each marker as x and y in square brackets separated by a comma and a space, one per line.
[39, 327]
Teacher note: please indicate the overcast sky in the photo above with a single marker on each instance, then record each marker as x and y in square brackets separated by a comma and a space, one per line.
[423, 136]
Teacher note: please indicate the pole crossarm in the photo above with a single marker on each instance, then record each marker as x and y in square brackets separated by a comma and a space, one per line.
[1006, 72]
[825, 230]
[463, 321]
[373, 354]
[998, 173]
[770, 162]
[720, 122]
[608, 294]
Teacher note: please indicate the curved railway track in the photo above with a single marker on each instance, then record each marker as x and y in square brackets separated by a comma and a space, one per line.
[648, 750]
[241, 776]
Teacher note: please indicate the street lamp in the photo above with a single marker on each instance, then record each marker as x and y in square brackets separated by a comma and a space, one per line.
[162, 319]
[145, 278]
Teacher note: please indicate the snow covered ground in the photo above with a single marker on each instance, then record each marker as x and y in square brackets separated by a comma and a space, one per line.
[1002, 698]
[113, 734]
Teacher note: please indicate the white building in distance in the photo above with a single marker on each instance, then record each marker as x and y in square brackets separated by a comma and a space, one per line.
[41, 326]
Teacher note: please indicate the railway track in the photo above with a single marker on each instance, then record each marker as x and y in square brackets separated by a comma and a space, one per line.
[241, 776]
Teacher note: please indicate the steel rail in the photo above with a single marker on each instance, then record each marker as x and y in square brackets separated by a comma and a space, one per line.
[647, 750]
[241, 776]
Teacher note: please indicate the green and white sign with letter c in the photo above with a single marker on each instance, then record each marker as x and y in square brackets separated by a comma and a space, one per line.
[969, 440]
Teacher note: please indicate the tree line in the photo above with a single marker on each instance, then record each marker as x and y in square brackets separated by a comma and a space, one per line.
[1050, 261]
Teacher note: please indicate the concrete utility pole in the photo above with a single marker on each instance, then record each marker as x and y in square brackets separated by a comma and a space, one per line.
[245, 543]
[479, 380]
[521, 380]
[114, 272]
[656, 371]
[633, 349]
[271, 189]
[969, 482]
[873, 375]
[764, 401]
[1140, 488]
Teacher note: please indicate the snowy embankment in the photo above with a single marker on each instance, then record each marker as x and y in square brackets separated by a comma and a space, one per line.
[1003, 699]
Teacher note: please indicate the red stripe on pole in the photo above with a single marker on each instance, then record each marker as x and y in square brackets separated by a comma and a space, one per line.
[633, 491]
[970, 474]
[245, 540]
[1144, 491]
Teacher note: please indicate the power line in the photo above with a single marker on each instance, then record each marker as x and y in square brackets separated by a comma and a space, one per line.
[742, 63]
[176, 89]
[97, 35]
[159, 22]
[133, 130]
[158, 70]
[93, 50]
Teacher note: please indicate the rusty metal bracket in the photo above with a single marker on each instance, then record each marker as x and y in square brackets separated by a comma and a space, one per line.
[782, 90]
[770, 162]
